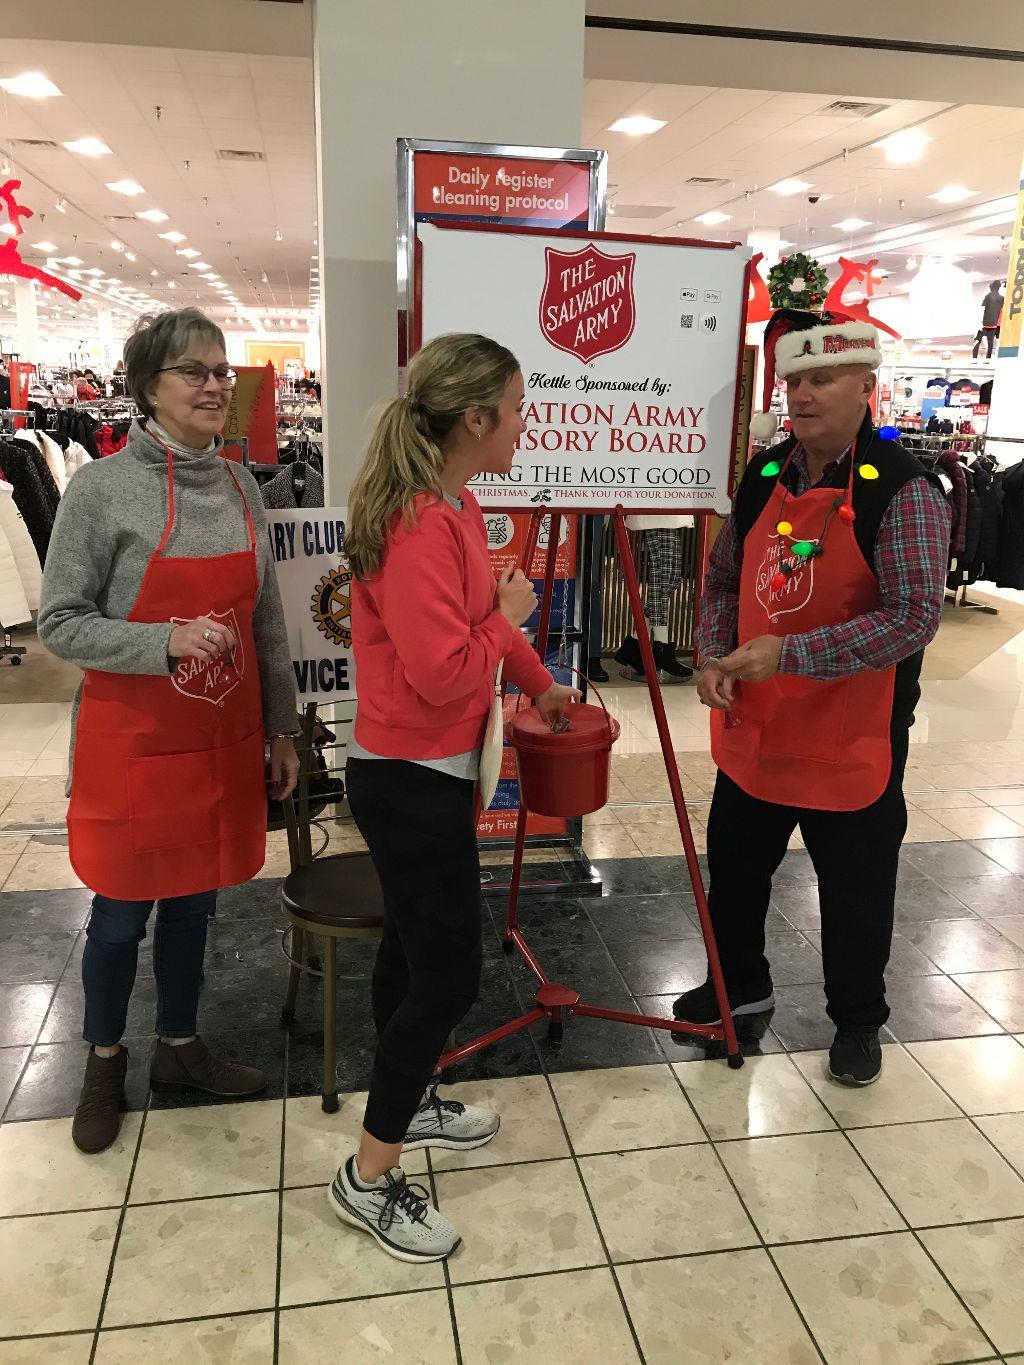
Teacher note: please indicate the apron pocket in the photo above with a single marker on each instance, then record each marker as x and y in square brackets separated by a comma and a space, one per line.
[805, 719]
[183, 800]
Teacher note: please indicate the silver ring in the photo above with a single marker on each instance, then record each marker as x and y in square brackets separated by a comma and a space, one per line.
[209, 636]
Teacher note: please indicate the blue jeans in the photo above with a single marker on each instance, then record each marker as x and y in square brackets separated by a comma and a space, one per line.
[116, 928]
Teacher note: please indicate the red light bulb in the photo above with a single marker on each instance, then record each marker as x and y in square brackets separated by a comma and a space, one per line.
[778, 582]
[847, 514]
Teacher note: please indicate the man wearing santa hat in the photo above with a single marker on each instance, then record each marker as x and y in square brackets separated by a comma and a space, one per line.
[824, 587]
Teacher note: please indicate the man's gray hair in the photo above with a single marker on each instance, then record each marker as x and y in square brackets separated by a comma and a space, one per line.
[157, 341]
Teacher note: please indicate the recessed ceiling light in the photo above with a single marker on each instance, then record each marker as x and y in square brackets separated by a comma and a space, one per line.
[712, 218]
[130, 187]
[172, 284]
[904, 146]
[153, 215]
[278, 235]
[171, 236]
[61, 206]
[129, 256]
[199, 265]
[188, 251]
[636, 125]
[154, 272]
[116, 245]
[952, 194]
[852, 224]
[72, 260]
[49, 247]
[32, 84]
[791, 186]
[95, 270]
[88, 146]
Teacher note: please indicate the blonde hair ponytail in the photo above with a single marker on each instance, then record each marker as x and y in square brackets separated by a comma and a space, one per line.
[405, 458]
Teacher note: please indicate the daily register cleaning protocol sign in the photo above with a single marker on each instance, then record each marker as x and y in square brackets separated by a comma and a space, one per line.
[630, 350]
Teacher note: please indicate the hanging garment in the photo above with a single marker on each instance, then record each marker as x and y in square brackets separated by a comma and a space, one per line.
[52, 455]
[950, 463]
[1010, 564]
[14, 608]
[167, 792]
[12, 525]
[21, 469]
[989, 487]
[75, 456]
[35, 454]
[299, 485]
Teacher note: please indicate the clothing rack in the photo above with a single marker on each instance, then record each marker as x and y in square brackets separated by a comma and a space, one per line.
[8, 649]
[28, 414]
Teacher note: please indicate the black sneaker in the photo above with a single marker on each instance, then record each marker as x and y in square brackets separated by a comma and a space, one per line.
[669, 667]
[700, 1005]
[629, 656]
[855, 1057]
[597, 672]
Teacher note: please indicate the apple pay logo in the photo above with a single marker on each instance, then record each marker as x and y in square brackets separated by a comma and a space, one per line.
[688, 295]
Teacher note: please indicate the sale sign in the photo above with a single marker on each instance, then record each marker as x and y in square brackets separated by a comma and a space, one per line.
[630, 350]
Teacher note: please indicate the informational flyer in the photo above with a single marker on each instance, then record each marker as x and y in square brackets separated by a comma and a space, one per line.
[630, 349]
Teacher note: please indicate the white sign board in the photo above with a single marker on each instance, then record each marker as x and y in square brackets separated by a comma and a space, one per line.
[630, 351]
[315, 581]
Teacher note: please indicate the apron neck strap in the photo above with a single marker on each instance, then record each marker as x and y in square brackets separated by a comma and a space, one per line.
[170, 502]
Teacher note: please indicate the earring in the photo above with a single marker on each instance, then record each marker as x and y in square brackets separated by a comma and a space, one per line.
[478, 435]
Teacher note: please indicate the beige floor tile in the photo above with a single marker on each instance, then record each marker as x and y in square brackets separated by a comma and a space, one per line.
[729, 1307]
[922, 828]
[982, 1075]
[316, 1143]
[941, 1172]
[31, 790]
[412, 1329]
[607, 842]
[8, 862]
[41, 1171]
[68, 1350]
[324, 1258]
[624, 1108]
[218, 1254]
[209, 1149]
[574, 1318]
[946, 800]
[530, 1127]
[1006, 1131]
[53, 1269]
[959, 776]
[43, 869]
[905, 1094]
[608, 815]
[245, 1340]
[768, 1096]
[9, 788]
[1001, 796]
[665, 1203]
[810, 1185]
[985, 1264]
[878, 1301]
[518, 1220]
[979, 824]
[49, 813]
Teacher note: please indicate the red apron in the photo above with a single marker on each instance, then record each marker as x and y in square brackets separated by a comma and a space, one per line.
[168, 796]
[792, 740]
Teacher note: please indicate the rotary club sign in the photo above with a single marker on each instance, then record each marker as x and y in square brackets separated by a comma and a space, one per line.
[587, 307]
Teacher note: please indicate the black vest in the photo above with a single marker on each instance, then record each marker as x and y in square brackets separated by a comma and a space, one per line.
[871, 498]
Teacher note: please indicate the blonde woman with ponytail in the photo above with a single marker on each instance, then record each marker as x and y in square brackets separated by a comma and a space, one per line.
[430, 626]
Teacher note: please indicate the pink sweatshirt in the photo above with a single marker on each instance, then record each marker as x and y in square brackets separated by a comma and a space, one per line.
[427, 638]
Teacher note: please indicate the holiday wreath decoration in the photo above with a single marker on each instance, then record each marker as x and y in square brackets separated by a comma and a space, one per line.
[797, 282]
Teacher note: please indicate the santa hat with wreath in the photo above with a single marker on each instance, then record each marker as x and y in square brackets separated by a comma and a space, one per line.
[795, 340]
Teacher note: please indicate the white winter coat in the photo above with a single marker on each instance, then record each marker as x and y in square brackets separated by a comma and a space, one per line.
[13, 603]
[52, 454]
[74, 457]
[12, 525]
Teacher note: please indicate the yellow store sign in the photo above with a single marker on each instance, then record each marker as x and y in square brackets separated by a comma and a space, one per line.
[1013, 308]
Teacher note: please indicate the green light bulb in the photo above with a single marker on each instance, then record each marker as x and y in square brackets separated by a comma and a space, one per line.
[771, 469]
[803, 549]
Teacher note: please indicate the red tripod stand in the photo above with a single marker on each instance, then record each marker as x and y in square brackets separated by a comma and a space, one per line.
[554, 1001]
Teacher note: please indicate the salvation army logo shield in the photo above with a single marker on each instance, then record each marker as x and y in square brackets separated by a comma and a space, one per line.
[203, 680]
[798, 588]
[587, 308]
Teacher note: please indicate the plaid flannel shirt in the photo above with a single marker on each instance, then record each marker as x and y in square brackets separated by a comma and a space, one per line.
[911, 559]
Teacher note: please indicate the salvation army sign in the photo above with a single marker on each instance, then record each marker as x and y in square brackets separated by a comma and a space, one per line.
[631, 353]
[316, 583]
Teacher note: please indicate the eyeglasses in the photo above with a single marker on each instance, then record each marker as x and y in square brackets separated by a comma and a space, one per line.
[194, 372]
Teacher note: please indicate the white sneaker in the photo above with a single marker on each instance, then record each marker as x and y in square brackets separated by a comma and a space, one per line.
[397, 1215]
[451, 1125]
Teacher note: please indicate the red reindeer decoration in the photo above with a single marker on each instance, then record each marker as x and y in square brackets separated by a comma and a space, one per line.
[856, 272]
[11, 262]
[759, 301]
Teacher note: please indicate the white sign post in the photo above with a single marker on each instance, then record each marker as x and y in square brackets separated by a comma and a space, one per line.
[631, 350]
[315, 581]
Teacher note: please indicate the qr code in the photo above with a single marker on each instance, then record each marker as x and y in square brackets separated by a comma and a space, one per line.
[686, 320]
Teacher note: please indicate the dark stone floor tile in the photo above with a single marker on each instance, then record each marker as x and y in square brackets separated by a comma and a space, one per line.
[22, 1010]
[259, 899]
[957, 858]
[49, 912]
[1000, 994]
[53, 1078]
[965, 945]
[262, 1047]
[34, 956]
[798, 904]
[904, 959]
[989, 897]
[355, 1048]
[796, 867]
[800, 1021]
[1008, 853]
[654, 966]
[794, 961]
[66, 1017]
[233, 943]
[588, 1044]
[674, 874]
[625, 918]
[753, 1035]
[630, 876]
[12, 1059]
[930, 1007]
[924, 901]
[1010, 926]
[242, 999]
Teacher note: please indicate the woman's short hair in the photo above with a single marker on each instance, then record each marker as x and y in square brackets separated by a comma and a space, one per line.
[157, 341]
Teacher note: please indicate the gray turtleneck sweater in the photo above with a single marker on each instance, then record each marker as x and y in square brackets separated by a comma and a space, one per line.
[108, 524]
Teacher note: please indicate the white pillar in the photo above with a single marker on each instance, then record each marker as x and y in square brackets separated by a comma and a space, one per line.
[27, 336]
[464, 71]
[105, 333]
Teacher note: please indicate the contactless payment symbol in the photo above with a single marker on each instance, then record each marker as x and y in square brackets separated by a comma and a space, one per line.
[587, 307]
[331, 605]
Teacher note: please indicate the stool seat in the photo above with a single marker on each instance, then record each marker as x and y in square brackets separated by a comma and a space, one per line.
[340, 892]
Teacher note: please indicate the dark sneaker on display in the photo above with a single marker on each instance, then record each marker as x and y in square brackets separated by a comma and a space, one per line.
[449, 1124]
[855, 1057]
[397, 1215]
[700, 1005]
[597, 672]
[629, 656]
[669, 667]
[192, 1066]
[101, 1104]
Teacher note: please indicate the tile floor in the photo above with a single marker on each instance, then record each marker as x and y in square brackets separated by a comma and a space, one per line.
[642, 1202]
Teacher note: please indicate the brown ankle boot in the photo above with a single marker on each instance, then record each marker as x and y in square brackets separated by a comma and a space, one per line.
[101, 1103]
[192, 1066]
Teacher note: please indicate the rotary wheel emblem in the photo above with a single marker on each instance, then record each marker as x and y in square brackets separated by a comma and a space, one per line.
[331, 605]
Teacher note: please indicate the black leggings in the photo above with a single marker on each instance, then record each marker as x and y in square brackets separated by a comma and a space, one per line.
[855, 855]
[418, 825]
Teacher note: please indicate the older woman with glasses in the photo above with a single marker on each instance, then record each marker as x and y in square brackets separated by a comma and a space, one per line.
[160, 584]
